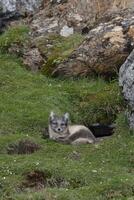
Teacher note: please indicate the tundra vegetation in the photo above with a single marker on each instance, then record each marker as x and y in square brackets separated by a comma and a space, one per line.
[54, 171]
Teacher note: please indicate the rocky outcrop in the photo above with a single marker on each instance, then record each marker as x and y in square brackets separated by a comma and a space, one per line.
[66, 17]
[63, 15]
[104, 49]
[108, 37]
[126, 81]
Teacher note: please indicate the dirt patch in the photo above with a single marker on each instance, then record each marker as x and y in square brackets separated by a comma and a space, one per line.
[40, 179]
[23, 147]
[35, 179]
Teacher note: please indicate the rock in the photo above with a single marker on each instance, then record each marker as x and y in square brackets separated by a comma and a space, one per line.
[13, 9]
[5, 18]
[126, 81]
[66, 31]
[48, 25]
[33, 59]
[58, 1]
[74, 14]
[20, 6]
[103, 51]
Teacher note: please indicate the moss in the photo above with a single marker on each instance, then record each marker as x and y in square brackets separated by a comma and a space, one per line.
[56, 48]
[56, 44]
[14, 35]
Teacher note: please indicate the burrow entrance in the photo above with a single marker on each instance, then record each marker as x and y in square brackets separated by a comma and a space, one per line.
[101, 130]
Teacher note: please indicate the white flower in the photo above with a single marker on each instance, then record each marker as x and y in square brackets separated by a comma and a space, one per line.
[37, 163]
[94, 171]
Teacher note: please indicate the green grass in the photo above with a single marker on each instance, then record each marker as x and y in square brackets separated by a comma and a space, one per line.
[27, 99]
[14, 35]
[104, 171]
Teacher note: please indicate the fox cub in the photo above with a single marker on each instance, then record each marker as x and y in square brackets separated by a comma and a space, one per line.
[60, 130]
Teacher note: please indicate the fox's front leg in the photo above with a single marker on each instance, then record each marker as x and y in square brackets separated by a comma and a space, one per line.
[63, 140]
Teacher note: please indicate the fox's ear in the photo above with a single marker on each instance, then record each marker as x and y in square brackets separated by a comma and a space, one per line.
[52, 115]
[66, 116]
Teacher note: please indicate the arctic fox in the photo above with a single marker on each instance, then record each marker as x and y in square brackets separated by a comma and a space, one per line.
[60, 130]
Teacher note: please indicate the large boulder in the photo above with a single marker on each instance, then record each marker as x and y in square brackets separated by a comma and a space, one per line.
[104, 49]
[126, 80]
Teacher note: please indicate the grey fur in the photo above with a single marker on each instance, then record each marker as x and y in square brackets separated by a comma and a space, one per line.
[60, 130]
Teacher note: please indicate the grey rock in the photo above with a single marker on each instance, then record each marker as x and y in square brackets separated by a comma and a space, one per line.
[21, 5]
[33, 59]
[126, 81]
[66, 31]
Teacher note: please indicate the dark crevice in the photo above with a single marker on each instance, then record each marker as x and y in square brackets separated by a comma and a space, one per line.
[101, 130]
[6, 18]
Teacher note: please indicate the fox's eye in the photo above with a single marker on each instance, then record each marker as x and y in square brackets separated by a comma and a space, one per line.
[63, 124]
[54, 123]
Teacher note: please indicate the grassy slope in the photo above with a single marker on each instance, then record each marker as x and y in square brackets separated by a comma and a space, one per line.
[104, 171]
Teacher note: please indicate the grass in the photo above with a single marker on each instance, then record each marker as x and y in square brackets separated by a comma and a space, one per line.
[14, 35]
[103, 171]
[27, 99]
